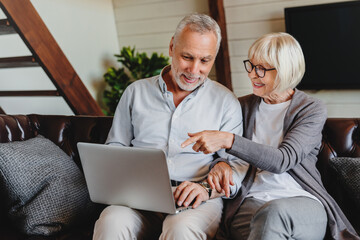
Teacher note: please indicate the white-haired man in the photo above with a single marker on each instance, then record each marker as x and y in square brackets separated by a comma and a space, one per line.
[159, 112]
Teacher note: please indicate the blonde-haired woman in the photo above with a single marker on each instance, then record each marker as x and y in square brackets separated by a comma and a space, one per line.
[282, 195]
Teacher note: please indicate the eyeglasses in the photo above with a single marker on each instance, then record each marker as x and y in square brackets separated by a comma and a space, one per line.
[260, 70]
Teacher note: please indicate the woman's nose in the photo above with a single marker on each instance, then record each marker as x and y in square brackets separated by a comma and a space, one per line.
[253, 74]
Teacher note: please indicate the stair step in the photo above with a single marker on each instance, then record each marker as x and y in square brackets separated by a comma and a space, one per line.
[16, 62]
[39, 93]
[47, 54]
[6, 28]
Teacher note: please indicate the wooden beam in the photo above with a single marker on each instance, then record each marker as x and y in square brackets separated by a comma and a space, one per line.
[16, 62]
[30, 27]
[31, 93]
[222, 63]
[5, 27]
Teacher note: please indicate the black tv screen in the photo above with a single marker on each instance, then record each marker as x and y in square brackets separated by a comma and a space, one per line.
[329, 35]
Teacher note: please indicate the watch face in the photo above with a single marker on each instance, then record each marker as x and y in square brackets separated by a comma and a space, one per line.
[206, 184]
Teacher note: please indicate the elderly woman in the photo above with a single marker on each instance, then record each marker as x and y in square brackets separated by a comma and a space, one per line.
[282, 195]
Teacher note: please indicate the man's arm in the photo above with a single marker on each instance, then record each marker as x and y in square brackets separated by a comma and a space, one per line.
[121, 131]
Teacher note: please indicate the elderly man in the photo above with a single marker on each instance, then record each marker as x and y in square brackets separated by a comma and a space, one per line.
[159, 112]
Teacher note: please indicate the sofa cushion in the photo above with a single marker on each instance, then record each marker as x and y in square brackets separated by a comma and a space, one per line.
[45, 190]
[348, 170]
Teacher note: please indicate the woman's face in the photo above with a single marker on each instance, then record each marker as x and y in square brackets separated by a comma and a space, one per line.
[262, 87]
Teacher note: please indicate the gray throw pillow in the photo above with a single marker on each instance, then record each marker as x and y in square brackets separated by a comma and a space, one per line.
[349, 175]
[46, 191]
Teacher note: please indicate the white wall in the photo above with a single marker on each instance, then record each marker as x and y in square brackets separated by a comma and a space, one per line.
[149, 24]
[85, 31]
[249, 19]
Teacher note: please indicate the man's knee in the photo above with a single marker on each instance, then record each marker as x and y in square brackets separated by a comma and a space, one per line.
[116, 222]
[181, 230]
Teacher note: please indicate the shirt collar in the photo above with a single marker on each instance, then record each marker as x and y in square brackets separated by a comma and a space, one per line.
[162, 83]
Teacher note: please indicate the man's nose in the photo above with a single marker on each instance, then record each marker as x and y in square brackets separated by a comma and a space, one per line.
[194, 67]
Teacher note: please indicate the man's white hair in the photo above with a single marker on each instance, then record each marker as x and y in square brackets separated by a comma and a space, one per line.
[200, 23]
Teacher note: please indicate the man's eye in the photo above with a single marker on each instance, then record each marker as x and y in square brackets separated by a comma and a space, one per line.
[204, 60]
[187, 57]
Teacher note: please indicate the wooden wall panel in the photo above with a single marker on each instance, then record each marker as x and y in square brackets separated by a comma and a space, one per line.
[253, 30]
[149, 24]
[249, 19]
[160, 10]
[222, 63]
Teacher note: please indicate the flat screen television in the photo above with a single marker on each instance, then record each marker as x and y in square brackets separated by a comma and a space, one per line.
[329, 35]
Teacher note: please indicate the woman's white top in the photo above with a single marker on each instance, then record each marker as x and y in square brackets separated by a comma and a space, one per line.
[267, 186]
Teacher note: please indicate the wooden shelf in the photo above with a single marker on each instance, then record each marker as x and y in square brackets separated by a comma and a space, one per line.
[6, 28]
[40, 93]
[17, 62]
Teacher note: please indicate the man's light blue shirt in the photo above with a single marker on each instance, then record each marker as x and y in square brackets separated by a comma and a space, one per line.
[146, 117]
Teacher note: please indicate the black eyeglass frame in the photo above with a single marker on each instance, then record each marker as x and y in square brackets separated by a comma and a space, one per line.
[257, 68]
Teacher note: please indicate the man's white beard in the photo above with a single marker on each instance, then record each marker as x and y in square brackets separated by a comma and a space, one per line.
[188, 86]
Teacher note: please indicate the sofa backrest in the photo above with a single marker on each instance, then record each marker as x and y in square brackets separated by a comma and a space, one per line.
[64, 131]
[341, 138]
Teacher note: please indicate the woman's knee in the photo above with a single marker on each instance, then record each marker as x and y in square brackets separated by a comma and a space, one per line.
[299, 217]
[270, 210]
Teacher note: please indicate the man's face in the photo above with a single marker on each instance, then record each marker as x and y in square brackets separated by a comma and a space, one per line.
[193, 54]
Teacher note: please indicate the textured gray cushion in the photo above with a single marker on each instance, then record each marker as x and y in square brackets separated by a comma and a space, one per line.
[46, 191]
[349, 175]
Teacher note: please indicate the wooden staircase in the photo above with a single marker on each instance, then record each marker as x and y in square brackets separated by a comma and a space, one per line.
[23, 19]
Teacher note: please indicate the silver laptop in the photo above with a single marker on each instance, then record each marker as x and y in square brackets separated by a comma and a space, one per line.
[128, 176]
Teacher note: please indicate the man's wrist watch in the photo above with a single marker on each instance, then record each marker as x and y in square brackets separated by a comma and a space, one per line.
[207, 187]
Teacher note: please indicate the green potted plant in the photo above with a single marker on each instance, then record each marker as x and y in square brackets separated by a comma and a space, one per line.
[134, 66]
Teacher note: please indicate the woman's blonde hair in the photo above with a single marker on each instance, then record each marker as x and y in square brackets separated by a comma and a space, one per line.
[283, 52]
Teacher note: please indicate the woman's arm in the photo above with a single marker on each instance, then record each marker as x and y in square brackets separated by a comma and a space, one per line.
[302, 138]
[209, 141]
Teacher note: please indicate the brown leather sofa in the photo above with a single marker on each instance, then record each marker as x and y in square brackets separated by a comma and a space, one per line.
[341, 137]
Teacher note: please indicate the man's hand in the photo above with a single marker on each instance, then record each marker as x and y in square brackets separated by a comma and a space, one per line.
[187, 191]
[220, 178]
[209, 141]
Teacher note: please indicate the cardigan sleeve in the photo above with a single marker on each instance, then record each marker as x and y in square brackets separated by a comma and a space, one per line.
[302, 138]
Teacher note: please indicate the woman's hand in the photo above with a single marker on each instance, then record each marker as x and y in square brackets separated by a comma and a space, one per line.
[209, 141]
[220, 178]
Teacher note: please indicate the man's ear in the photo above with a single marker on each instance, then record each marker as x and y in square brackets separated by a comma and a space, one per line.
[171, 47]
